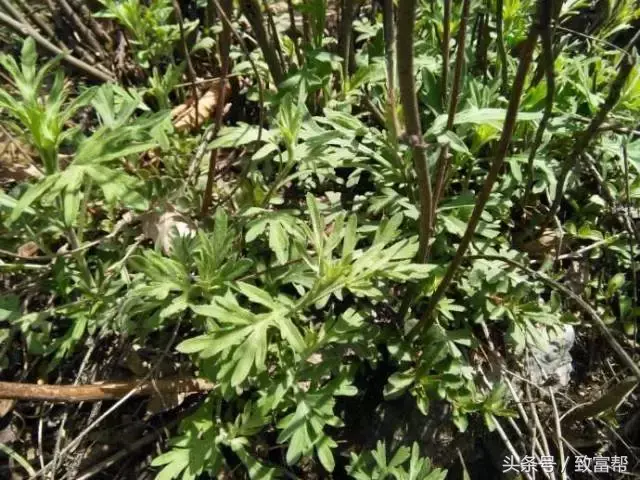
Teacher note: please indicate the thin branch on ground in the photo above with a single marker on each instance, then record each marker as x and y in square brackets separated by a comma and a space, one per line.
[100, 391]
[82, 29]
[92, 23]
[148, 439]
[35, 18]
[558, 428]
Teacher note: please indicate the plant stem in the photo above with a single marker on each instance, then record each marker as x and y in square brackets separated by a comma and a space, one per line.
[406, 18]
[502, 53]
[224, 42]
[547, 60]
[446, 40]
[389, 27]
[185, 51]
[584, 140]
[345, 38]
[294, 32]
[254, 67]
[501, 151]
[251, 10]
[274, 32]
[444, 160]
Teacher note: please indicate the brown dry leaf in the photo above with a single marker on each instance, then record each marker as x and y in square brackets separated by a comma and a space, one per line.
[6, 405]
[546, 243]
[134, 363]
[8, 434]
[166, 401]
[29, 249]
[184, 116]
[161, 228]
[16, 159]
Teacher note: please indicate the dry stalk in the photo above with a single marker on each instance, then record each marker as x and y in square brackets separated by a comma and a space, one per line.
[91, 22]
[99, 391]
[35, 18]
[185, 51]
[500, 430]
[82, 29]
[556, 420]
[224, 43]
[536, 420]
[66, 56]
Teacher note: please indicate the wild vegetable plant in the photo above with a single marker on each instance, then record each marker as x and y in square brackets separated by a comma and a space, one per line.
[401, 205]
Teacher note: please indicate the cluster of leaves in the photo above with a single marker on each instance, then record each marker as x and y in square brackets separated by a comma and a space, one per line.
[150, 26]
[284, 296]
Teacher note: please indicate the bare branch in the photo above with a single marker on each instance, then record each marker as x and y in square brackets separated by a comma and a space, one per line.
[100, 391]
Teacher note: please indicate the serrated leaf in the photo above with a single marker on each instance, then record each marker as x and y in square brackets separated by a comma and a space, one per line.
[492, 116]
[350, 237]
[256, 295]
[325, 455]
[615, 283]
[316, 222]
[196, 344]
[31, 195]
[278, 241]
[291, 334]
[398, 384]
[454, 142]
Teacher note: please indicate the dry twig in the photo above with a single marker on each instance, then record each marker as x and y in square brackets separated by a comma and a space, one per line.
[101, 391]
[66, 56]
